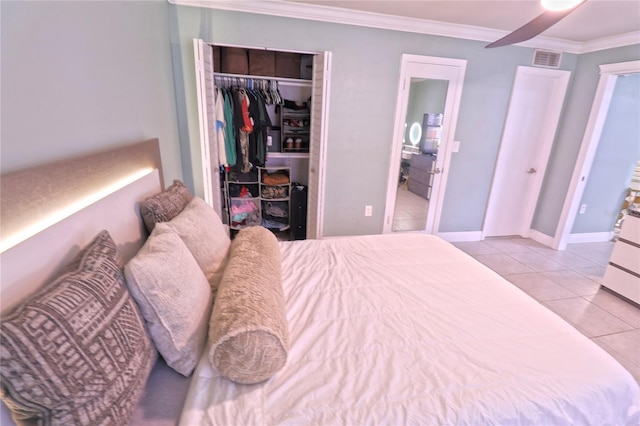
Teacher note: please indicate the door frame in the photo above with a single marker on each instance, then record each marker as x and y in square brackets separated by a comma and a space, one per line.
[454, 71]
[590, 141]
[203, 57]
[205, 72]
[561, 79]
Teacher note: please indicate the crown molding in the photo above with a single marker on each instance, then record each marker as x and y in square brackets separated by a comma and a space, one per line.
[627, 39]
[406, 24]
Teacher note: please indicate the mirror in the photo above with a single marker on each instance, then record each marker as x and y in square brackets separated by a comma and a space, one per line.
[415, 133]
[423, 128]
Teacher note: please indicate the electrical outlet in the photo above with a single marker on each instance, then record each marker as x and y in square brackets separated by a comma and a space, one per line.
[583, 208]
[368, 210]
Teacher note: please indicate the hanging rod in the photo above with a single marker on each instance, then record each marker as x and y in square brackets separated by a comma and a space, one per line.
[283, 80]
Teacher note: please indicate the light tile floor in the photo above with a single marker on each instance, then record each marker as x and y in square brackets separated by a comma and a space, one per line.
[410, 212]
[568, 283]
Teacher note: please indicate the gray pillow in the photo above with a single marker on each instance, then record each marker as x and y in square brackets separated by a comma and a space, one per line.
[205, 236]
[166, 205]
[174, 298]
[77, 352]
[248, 329]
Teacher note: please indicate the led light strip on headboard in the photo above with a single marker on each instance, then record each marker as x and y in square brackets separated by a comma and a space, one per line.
[34, 199]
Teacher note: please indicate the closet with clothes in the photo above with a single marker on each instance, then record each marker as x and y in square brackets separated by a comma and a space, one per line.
[263, 109]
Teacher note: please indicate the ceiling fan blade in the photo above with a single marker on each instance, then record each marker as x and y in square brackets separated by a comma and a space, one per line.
[533, 27]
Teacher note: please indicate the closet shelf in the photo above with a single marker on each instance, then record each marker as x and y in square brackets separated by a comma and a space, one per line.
[288, 154]
[288, 81]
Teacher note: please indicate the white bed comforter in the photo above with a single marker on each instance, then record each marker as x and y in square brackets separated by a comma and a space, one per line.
[407, 329]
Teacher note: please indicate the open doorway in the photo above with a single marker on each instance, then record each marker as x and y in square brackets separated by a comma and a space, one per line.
[608, 77]
[426, 114]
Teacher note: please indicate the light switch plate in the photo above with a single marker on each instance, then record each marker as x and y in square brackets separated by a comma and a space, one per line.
[456, 146]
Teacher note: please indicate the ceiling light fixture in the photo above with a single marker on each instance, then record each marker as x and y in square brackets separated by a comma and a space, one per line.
[557, 5]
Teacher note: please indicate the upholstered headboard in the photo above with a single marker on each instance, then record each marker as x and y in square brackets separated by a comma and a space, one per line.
[49, 212]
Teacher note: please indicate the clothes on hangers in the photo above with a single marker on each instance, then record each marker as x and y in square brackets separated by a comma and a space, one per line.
[220, 128]
[230, 131]
[245, 119]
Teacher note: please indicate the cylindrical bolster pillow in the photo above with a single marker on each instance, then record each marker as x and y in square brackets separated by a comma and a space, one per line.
[248, 330]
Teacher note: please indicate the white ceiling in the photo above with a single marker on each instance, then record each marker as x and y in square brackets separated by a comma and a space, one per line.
[594, 20]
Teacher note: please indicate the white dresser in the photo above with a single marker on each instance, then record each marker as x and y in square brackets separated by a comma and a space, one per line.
[623, 272]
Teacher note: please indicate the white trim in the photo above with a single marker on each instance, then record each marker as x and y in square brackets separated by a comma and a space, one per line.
[608, 75]
[452, 70]
[406, 24]
[321, 89]
[455, 237]
[205, 149]
[590, 237]
[620, 40]
[620, 68]
[540, 237]
[396, 154]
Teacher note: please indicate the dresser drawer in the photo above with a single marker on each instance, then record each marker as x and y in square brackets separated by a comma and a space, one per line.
[626, 256]
[420, 176]
[631, 229]
[422, 162]
[623, 283]
[420, 189]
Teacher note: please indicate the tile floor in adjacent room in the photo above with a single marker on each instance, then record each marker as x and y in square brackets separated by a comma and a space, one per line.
[410, 212]
[568, 283]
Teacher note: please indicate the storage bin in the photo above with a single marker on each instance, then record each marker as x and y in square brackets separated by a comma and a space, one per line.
[217, 59]
[234, 60]
[287, 65]
[245, 212]
[262, 62]
[306, 67]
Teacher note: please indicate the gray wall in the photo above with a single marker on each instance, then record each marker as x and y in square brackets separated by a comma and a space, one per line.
[80, 77]
[364, 78]
[615, 159]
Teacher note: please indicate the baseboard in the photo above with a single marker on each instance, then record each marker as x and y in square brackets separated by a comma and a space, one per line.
[455, 237]
[541, 238]
[590, 237]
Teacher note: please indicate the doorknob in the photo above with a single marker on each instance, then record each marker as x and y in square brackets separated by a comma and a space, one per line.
[531, 170]
[436, 170]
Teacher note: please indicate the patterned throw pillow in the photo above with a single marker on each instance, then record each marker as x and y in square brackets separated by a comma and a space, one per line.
[76, 352]
[166, 205]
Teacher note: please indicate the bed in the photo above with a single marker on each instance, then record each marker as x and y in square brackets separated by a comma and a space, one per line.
[381, 329]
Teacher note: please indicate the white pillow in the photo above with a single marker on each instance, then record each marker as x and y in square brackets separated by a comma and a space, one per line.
[205, 236]
[174, 297]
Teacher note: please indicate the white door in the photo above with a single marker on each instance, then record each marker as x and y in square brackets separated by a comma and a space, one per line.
[529, 131]
[429, 68]
[317, 145]
[205, 88]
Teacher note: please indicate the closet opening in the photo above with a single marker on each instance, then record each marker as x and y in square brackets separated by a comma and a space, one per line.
[263, 127]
